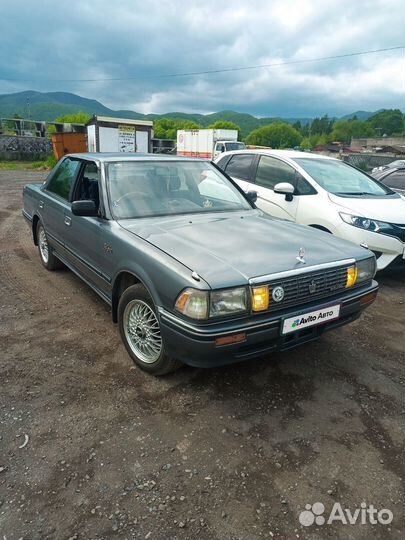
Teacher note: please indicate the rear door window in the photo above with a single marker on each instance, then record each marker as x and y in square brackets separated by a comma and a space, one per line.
[63, 178]
[239, 166]
[395, 180]
[272, 171]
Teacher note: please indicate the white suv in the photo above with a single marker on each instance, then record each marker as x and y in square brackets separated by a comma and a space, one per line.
[325, 193]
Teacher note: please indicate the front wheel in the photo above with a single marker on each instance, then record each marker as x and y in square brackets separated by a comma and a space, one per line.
[140, 331]
[48, 259]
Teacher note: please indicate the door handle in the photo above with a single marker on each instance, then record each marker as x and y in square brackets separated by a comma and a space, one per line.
[41, 204]
[68, 220]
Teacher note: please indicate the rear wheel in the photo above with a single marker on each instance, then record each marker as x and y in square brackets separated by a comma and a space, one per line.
[48, 259]
[140, 331]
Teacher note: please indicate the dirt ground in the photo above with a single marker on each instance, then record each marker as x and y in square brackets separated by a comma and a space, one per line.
[230, 453]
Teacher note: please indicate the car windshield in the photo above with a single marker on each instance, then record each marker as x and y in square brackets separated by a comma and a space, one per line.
[155, 188]
[341, 179]
[234, 146]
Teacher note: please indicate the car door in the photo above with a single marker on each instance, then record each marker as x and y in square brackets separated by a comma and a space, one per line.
[89, 250]
[240, 167]
[271, 171]
[55, 202]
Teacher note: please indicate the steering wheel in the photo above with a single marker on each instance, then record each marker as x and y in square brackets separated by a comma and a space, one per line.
[181, 202]
[133, 194]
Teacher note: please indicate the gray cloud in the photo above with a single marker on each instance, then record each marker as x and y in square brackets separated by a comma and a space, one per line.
[133, 38]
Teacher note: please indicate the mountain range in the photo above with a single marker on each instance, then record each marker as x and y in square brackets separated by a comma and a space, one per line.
[47, 106]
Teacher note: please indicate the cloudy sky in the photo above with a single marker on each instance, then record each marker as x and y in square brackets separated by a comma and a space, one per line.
[146, 40]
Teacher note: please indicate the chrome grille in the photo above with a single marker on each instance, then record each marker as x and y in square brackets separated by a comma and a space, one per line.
[304, 288]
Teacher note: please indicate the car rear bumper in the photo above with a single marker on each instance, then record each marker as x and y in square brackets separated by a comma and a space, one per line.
[197, 345]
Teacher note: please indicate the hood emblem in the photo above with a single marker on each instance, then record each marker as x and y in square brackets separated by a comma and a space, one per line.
[301, 254]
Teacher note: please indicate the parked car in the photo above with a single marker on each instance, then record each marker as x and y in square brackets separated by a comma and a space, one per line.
[393, 165]
[394, 178]
[326, 194]
[193, 274]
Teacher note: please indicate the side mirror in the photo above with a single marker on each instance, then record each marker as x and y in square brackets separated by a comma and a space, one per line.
[84, 208]
[251, 196]
[285, 188]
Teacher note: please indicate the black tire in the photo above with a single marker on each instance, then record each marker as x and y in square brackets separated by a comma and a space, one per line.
[50, 262]
[134, 298]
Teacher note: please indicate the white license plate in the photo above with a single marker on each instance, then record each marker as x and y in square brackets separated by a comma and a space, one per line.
[304, 320]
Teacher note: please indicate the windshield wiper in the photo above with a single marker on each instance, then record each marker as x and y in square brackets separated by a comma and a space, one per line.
[354, 193]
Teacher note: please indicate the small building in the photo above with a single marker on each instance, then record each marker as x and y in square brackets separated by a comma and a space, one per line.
[106, 134]
[371, 143]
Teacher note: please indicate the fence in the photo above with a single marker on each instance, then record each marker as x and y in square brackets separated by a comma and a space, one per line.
[24, 148]
[367, 162]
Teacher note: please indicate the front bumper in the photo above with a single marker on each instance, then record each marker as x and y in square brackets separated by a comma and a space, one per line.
[195, 345]
[387, 248]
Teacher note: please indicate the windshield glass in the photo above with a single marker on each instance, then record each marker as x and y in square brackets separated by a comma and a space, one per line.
[234, 146]
[155, 188]
[341, 179]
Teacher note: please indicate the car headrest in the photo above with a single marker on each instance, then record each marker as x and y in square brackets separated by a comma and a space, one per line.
[174, 183]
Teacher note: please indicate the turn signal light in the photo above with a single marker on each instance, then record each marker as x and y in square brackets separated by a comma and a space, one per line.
[230, 340]
[351, 276]
[260, 298]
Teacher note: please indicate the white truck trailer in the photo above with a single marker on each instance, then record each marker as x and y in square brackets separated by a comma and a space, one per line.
[207, 143]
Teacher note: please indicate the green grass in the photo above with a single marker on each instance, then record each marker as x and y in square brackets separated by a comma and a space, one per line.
[27, 165]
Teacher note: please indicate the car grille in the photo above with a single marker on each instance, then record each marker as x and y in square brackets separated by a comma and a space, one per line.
[305, 288]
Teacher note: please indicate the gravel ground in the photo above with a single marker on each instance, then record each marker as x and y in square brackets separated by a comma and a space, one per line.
[92, 448]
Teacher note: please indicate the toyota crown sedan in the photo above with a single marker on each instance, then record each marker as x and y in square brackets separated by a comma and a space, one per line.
[326, 194]
[193, 271]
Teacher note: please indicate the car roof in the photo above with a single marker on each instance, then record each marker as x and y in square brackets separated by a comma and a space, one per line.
[291, 154]
[106, 157]
[386, 172]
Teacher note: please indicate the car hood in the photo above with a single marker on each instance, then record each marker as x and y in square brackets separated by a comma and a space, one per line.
[228, 249]
[389, 209]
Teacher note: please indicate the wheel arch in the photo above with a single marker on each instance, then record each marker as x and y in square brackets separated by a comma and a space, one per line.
[35, 220]
[122, 281]
[320, 228]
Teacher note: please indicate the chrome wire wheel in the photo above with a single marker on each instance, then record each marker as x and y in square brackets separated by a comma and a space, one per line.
[142, 331]
[43, 245]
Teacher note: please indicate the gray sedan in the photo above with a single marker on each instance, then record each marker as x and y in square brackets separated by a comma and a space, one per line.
[193, 271]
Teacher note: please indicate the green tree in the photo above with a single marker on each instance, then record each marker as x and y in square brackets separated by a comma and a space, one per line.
[344, 130]
[166, 128]
[387, 122]
[306, 144]
[321, 125]
[77, 118]
[277, 135]
[297, 125]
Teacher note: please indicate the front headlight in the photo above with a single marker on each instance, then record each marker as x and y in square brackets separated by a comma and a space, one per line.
[228, 301]
[361, 271]
[366, 269]
[194, 303]
[367, 224]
